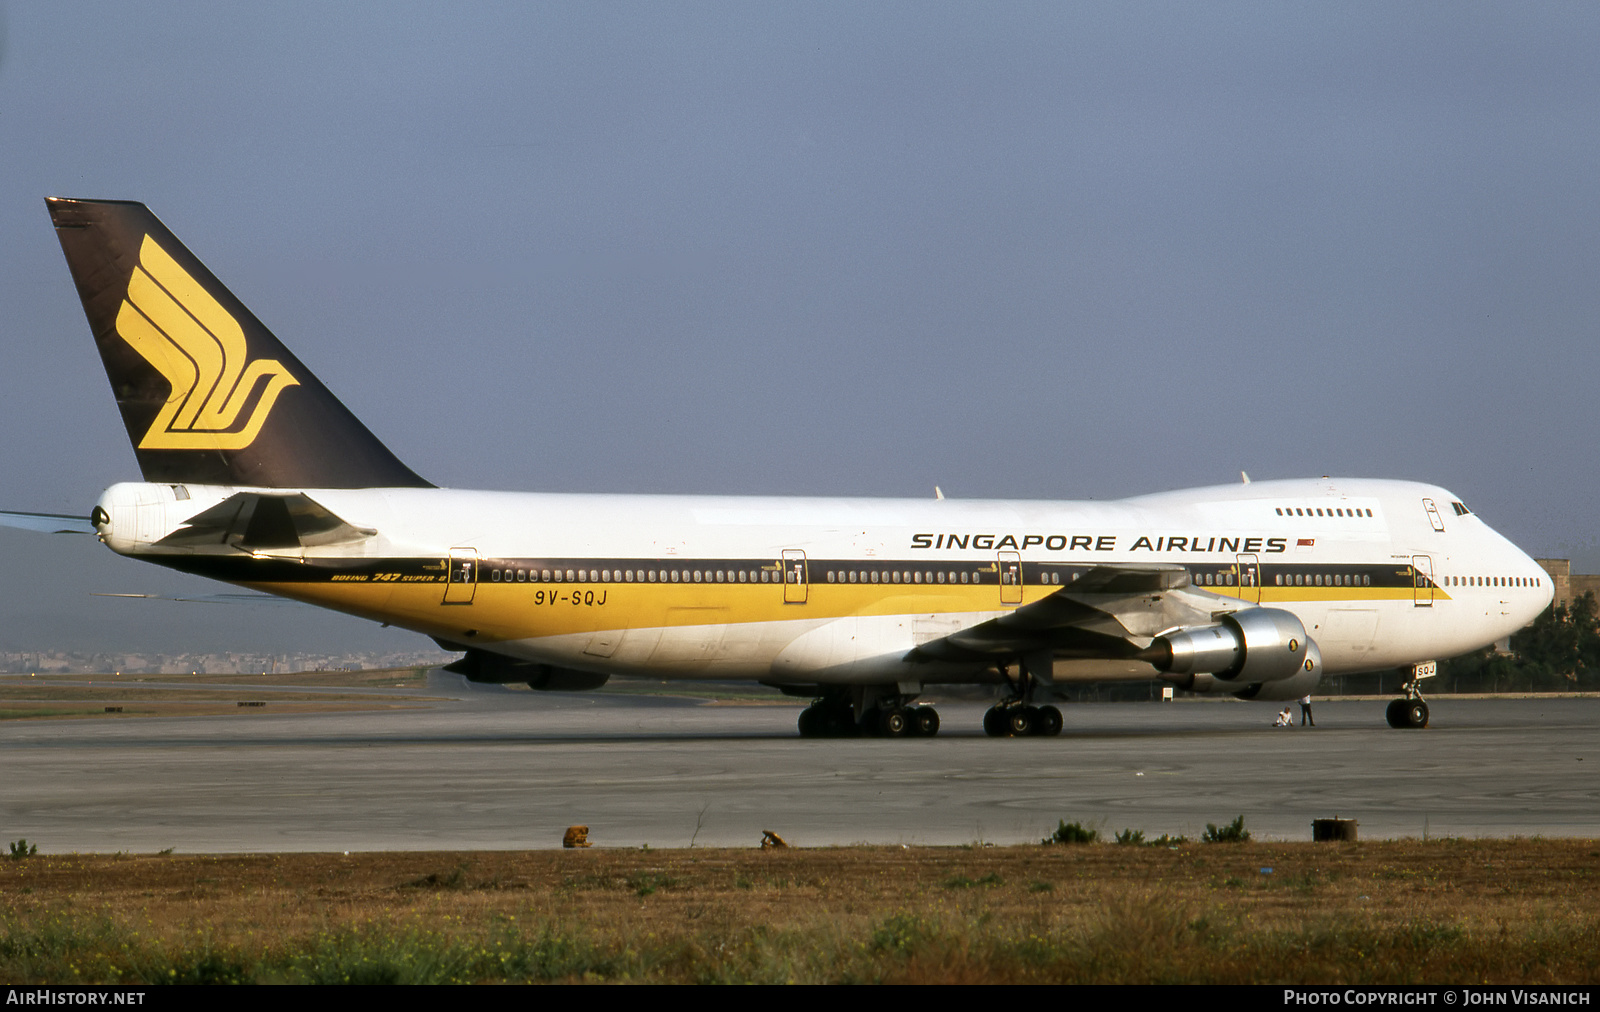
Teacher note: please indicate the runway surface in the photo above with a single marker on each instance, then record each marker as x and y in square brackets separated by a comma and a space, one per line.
[497, 769]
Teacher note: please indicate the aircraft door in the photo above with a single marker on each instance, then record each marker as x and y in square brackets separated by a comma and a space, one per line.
[794, 576]
[1010, 578]
[1422, 580]
[1250, 579]
[461, 583]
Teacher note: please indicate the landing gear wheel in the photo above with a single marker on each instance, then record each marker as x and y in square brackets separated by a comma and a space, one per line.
[994, 722]
[1048, 722]
[812, 724]
[1416, 714]
[924, 721]
[1396, 713]
[894, 722]
[1403, 713]
[1020, 721]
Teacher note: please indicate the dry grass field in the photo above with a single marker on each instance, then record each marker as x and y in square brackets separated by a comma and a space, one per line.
[1457, 911]
[113, 696]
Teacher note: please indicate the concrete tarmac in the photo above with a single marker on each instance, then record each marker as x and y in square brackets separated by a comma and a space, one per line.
[498, 769]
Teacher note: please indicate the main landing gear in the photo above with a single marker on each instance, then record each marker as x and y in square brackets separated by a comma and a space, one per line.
[1015, 716]
[1412, 711]
[888, 717]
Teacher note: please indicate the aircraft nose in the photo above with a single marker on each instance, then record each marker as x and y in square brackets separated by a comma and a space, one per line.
[1544, 588]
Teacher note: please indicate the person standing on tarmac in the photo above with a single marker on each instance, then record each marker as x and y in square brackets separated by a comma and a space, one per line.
[1305, 711]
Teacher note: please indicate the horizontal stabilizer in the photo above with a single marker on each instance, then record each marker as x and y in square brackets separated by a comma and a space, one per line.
[224, 598]
[48, 523]
[253, 522]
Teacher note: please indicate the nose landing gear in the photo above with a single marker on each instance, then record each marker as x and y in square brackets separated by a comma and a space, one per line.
[1412, 711]
[1407, 713]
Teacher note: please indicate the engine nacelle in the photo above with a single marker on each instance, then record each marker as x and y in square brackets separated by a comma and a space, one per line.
[1302, 683]
[498, 669]
[1248, 647]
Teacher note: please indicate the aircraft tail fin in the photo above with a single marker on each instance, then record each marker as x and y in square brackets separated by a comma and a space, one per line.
[207, 393]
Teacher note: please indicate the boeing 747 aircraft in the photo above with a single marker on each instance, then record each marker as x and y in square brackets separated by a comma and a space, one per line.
[256, 475]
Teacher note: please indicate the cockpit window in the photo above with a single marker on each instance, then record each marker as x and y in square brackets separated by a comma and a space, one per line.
[1460, 508]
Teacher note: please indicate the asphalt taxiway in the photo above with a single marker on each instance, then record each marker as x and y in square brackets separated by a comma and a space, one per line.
[502, 769]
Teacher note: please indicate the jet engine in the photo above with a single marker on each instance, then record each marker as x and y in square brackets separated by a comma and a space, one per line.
[1302, 683]
[1243, 648]
[498, 669]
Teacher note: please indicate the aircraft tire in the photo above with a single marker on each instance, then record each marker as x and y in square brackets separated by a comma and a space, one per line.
[994, 722]
[1020, 721]
[1416, 714]
[1048, 722]
[1396, 713]
[894, 722]
[924, 721]
[812, 724]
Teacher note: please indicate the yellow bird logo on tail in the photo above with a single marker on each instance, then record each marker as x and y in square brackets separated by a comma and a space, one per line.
[191, 340]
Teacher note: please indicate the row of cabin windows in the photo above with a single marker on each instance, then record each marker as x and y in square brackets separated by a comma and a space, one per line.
[729, 576]
[638, 576]
[1229, 579]
[916, 576]
[1296, 511]
[1323, 580]
[1493, 581]
[920, 576]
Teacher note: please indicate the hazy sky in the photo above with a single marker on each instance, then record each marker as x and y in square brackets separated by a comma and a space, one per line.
[1044, 251]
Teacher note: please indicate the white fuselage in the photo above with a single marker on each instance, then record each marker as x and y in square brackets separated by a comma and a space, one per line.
[1381, 573]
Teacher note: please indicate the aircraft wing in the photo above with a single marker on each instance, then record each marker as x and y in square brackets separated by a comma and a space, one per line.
[48, 523]
[1111, 612]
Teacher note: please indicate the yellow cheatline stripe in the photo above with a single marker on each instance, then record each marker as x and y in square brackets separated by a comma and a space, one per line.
[513, 611]
[1356, 594]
